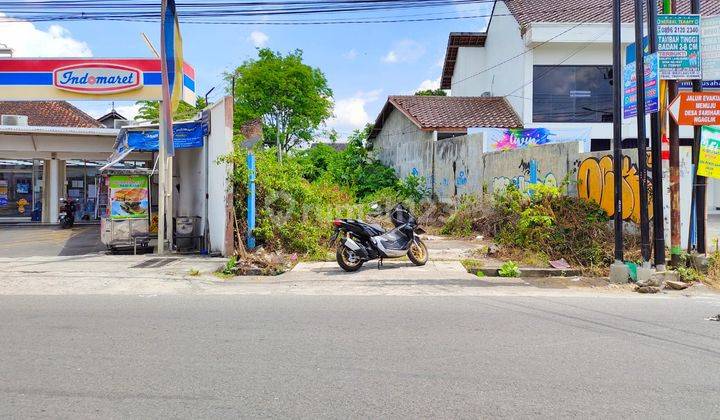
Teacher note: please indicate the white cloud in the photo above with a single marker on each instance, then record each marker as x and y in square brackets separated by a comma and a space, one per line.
[405, 51]
[429, 84]
[350, 55]
[259, 39]
[29, 41]
[350, 113]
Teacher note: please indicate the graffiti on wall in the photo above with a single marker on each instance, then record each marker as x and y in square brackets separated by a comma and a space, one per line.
[529, 176]
[595, 182]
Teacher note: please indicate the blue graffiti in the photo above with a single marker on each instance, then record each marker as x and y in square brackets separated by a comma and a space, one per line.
[461, 179]
[415, 172]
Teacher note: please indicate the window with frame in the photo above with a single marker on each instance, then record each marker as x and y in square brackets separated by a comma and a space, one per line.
[572, 94]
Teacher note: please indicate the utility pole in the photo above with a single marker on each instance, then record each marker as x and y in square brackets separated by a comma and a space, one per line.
[656, 139]
[674, 131]
[617, 130]
[699, 182]
[641, 134]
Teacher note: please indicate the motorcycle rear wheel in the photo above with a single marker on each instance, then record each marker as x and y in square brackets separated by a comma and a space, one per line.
[347, 259]
[418, 252]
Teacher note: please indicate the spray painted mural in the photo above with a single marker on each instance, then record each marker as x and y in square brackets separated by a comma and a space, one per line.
[529, 176]
[595, 182]
[522, 138]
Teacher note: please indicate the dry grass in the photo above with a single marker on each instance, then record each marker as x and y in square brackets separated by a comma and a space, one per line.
[712, 278]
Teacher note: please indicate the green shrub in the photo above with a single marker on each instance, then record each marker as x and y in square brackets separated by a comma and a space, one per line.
[293, 214]
[509, 269]
[689, 274]
[543, 222]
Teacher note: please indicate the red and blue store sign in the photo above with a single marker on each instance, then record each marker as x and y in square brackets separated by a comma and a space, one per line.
[87, 79]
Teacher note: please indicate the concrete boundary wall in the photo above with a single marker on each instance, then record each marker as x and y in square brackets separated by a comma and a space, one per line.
[461, 168]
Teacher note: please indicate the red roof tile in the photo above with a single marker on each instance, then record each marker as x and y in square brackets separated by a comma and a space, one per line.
[576, 11]
[451, 113]
[49, 113]
[455, 41]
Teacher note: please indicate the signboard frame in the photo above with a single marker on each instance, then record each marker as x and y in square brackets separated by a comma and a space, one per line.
[34, 79]
[679, 47]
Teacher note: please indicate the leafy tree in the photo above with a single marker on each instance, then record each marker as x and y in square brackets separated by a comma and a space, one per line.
[431, 92]
[292, 98]
[150, 110]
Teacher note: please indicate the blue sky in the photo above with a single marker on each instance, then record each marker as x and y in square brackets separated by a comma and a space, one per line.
[363, 63]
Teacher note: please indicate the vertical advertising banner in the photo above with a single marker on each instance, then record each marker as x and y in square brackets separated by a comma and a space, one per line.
[709, 163]
[652, 87]
[3, 193]
[679, 47]
[128, 197]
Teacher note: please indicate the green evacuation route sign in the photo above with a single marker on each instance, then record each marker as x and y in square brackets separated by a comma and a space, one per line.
[679, 47]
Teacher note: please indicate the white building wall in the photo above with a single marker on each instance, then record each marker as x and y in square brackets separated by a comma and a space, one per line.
[220, 198]
[503, 42]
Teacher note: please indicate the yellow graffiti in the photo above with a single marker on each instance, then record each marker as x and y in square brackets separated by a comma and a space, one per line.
[596, 183]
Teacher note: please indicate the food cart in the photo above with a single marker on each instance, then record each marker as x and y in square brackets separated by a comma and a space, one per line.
[126, 222]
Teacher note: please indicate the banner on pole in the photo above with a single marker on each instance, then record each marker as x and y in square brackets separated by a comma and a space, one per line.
[652, 86]
[709, 162]
[679, 47]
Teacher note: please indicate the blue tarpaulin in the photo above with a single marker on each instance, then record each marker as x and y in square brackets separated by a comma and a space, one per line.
[186, 135]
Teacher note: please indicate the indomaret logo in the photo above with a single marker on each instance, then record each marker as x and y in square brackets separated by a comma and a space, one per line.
[97, 78]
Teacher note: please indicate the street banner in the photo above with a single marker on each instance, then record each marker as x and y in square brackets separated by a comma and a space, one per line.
[520, 138]
[186, 135]
[679, 47]
[128, 196]
[710, 39]
[652, 86]
[709, 163]
[696, 108]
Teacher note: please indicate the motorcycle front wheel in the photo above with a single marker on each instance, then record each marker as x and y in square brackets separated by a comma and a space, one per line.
[66, 223]
[418, 252]
[347, 259]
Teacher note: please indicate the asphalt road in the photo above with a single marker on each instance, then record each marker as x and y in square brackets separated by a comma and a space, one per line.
[314, 356]
[44, 241]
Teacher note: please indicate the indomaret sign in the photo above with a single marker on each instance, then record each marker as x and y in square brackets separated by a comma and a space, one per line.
[97, 78]
[87, 79]
[696, 108]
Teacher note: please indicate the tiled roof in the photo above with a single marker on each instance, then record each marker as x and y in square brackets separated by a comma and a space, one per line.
[451, 113]
[455, 41]
[576, 11]
[49, 113]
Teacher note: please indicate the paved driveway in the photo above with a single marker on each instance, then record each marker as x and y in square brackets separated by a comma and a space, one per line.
[49, 241]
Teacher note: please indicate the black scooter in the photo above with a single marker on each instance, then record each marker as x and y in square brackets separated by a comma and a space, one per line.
[67, 213]
[361, 242]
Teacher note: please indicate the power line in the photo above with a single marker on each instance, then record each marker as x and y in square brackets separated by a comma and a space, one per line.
[524, 52]
[223, 17]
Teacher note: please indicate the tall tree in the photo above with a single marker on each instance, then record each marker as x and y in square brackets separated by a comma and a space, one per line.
[150, 110]
[292, 98]
[431, 92]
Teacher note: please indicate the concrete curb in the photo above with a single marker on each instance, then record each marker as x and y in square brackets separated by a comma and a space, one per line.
[529, 272]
